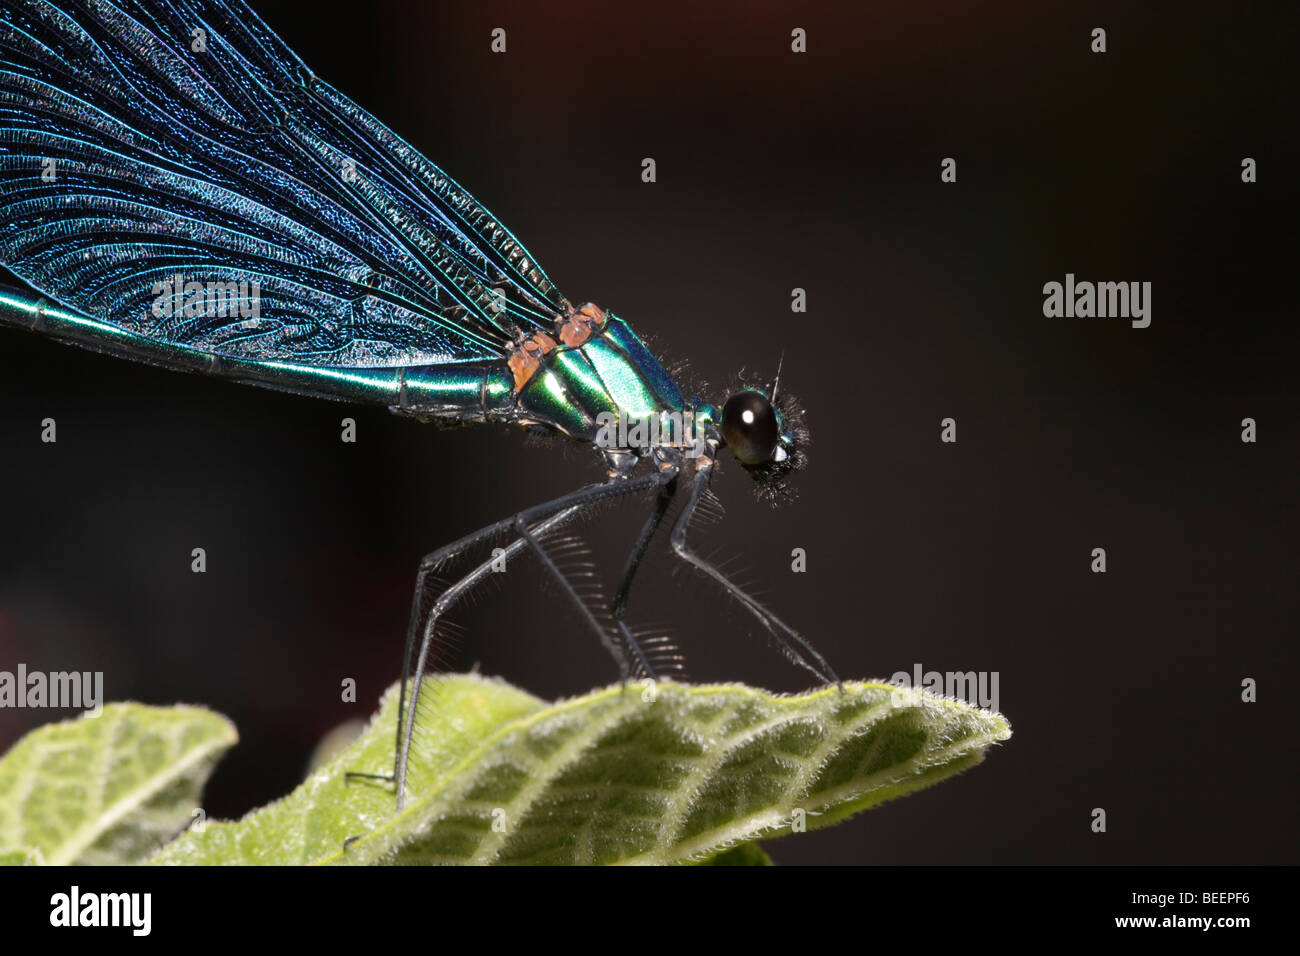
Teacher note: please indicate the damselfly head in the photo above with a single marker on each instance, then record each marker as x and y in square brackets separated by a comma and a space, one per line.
[750, 429]
[766, 433]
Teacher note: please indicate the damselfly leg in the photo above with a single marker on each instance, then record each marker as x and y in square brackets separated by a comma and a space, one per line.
[618, 606]
[792, 644]
[429, 566]
[530, 526]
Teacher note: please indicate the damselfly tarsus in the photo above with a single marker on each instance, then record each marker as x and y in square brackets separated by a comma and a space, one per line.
[179, 188]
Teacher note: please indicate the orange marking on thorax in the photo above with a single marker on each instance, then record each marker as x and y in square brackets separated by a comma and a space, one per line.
[526, 358]
[574, 328]
[577, 326]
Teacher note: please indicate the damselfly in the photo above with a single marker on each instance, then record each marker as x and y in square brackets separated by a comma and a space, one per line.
[180, 189]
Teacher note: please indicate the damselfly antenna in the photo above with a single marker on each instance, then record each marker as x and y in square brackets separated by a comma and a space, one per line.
[777, 381]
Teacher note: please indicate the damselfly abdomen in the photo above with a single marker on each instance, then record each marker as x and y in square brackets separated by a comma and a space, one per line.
[179, 188]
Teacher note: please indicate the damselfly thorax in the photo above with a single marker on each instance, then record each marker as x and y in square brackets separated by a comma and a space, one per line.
[236, 215]
[590, 379]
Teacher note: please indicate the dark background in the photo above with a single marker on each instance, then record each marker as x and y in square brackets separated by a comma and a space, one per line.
[775, 171]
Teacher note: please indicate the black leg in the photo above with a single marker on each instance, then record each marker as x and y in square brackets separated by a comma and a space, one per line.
[428, 566]
[615, 651]
[794, 644]
[561, 509]
[618, 607]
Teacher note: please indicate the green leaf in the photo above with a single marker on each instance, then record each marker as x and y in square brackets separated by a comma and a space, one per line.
[109, 789]
[20, 858]
[746, 854]
[498, 776]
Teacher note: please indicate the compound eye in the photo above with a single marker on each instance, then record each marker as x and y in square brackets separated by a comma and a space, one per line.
[749, 427]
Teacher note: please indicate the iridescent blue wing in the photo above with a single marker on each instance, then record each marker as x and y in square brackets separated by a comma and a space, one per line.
[140, 141]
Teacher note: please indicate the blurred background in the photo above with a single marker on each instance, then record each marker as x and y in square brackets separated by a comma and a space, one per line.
[775, 171]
